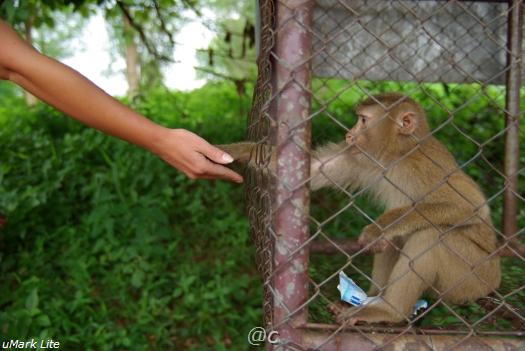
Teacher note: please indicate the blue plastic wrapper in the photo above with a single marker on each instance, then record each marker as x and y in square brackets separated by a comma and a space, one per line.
[355, 296]
[419, 305]
[349, 290]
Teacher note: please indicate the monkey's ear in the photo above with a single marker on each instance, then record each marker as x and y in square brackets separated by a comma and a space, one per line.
[407, 122]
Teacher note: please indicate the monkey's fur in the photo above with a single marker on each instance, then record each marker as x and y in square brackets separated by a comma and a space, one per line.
[436, 232]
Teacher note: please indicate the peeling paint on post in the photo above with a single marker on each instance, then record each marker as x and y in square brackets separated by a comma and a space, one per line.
[292, 107]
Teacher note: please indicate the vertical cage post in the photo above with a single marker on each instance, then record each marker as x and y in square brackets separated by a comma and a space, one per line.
[512, 102]
[290, 222]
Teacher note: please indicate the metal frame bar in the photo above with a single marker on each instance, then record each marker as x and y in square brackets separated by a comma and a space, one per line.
[351, 247]
[326, 341]
[512, 102]
[290, 222]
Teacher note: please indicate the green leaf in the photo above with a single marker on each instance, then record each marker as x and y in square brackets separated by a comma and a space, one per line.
[137, 279]
[43, 321]
[32, 299]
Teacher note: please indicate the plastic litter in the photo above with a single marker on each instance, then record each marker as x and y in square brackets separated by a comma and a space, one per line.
[355, 296]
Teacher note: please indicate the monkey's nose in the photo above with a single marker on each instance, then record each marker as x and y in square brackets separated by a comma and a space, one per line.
[350, 138]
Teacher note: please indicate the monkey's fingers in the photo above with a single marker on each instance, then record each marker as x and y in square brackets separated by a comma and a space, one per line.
[341, 312]
[369, 234]
[353, 321]
[335, 308]
[379, 246]
[350, 316]
[346, 317]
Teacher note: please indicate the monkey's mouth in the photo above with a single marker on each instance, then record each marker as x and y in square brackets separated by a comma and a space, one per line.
[352, 145]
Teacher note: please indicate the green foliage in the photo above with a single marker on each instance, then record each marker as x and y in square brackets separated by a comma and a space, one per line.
[210, 110]
[59, 39]
[231, 53]
[41, 13]
[150, 32]
[50, 26]
[108, 248]
[10, 101]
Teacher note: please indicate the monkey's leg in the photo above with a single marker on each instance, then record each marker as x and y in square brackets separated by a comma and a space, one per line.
[469, 272]
[383, 264]
[413, 273]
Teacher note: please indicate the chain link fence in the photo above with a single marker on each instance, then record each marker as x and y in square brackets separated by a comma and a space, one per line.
[462, 62]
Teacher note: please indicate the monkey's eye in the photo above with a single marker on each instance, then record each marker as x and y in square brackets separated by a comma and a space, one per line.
[363, 120]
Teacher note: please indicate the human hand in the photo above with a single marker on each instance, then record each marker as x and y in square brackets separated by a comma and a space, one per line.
[194, 156]
[74, 95]
[4, 73]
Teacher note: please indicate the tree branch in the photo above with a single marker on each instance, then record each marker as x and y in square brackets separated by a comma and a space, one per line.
[163, 23]
[151, 49]
[192, 7]
[218, 54]
[220, 75]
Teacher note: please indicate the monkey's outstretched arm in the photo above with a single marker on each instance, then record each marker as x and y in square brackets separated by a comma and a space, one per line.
[330, 165]
[334, 165]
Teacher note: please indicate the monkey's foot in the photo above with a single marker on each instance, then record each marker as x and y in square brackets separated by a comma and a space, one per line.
[368, 314]
[336, 307]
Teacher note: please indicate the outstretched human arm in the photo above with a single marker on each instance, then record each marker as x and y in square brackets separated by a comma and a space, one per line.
[76, 96]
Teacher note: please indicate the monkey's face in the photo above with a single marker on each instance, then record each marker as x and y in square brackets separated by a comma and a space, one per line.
[370, 130]
[378, 129]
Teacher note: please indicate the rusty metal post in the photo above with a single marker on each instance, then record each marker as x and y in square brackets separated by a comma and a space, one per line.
[326, 341]
[290, 222]
[512, 102]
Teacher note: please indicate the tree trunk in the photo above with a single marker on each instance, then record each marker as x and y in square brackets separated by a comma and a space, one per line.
[132, 61]
[31, 100]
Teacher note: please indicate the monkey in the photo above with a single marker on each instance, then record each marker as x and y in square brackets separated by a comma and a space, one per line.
[436, 233]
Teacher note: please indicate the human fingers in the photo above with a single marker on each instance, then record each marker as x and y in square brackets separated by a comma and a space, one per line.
[214, 153]
[221, 172]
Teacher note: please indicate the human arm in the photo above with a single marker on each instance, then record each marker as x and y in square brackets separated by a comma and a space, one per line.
[74, 95]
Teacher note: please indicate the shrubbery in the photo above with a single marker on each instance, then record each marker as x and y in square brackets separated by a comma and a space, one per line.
[108, 248]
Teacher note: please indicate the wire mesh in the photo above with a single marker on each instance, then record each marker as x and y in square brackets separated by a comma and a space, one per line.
[461, 61]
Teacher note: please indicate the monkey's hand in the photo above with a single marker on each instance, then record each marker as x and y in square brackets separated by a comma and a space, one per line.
[241, 152]
[371, 237]
[252, 154]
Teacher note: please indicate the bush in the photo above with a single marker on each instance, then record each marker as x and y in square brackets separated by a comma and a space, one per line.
[108, 248]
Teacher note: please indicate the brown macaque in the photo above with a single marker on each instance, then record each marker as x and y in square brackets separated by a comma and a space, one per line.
[436, 232]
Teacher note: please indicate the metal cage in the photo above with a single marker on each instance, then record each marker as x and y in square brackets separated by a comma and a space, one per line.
[304, 46]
